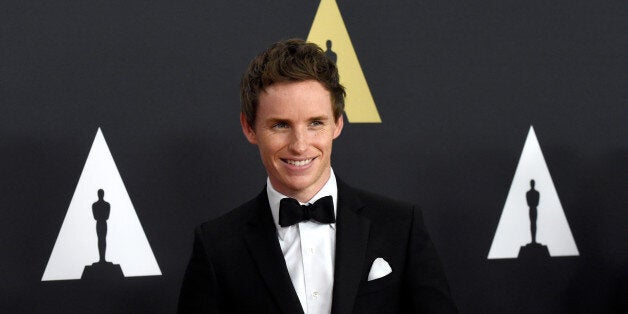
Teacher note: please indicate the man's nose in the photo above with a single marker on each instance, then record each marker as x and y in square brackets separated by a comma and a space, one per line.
[298, 141]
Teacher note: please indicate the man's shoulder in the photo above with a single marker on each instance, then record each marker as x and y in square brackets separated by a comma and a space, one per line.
[233, 221]
[375, 205]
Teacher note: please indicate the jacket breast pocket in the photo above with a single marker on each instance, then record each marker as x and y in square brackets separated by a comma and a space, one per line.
[376, 285]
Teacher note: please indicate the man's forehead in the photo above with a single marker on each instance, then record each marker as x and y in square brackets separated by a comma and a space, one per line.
[294, 116]
[309, 83]
[304, 95]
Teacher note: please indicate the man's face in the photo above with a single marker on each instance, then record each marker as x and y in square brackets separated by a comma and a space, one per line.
[294, 130]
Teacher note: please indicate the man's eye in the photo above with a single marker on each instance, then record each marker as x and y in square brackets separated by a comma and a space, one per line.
[316, 123]
[280, 125]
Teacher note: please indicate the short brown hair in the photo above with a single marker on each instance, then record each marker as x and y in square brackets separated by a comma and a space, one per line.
[291, 60]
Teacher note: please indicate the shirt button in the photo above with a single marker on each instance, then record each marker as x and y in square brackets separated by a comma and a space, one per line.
[315, 294]
[311, 250]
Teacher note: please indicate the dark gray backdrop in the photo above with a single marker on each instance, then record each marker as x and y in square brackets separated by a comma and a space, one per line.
[457, 85]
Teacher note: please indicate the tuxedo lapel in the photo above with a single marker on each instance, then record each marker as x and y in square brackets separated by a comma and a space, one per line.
[352, 232]
[261, 238]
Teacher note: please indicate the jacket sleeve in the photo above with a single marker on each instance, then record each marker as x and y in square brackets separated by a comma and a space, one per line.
[200, 292]
[425, 286]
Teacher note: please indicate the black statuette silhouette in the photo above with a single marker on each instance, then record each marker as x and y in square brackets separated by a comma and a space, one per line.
[102, 270]
[330, 53]
[101, 210]
[532, 197]
[533, 250]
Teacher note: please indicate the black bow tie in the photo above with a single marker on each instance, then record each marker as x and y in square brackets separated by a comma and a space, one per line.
[291, 212]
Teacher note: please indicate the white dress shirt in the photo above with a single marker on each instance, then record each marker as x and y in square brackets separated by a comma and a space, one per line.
[309, 249]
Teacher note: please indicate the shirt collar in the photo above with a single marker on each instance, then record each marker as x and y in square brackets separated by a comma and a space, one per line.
[274, 198]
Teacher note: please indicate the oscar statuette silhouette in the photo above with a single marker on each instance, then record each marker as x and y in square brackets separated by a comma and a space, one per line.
[330, 53]
[533, 250]
[102, 269]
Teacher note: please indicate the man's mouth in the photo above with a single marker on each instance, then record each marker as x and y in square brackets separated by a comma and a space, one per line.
[298, 163]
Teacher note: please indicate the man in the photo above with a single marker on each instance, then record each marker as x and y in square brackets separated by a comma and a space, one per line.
[349, 251]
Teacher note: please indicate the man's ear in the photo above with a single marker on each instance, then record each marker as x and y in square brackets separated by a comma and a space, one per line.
[248, 130]
[339, 125]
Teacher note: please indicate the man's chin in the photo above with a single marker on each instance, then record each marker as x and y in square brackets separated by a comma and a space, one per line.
[296, 183]
[297, 186]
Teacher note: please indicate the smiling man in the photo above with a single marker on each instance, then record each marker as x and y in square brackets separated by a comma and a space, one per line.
[294, 130]
[308, 243]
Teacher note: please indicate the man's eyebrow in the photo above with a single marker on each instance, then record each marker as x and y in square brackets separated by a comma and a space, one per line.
[325, 117]
[276, 120]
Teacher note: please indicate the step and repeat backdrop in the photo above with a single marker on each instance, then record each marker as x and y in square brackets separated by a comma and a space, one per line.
[506, 121]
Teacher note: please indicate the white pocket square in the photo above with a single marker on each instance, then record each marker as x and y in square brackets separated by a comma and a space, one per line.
[379, 269]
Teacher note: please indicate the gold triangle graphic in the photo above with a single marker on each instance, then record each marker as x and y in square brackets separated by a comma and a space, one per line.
[329, 32]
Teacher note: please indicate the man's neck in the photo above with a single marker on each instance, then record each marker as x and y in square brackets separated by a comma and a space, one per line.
[305, 195]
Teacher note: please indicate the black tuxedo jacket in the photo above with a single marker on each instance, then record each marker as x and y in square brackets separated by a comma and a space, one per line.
[237, 265]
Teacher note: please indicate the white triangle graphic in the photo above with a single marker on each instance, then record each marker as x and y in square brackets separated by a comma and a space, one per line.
[77, 242]
[513, 230]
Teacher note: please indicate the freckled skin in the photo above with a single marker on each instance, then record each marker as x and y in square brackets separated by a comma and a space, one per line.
[295, 122]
